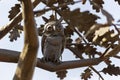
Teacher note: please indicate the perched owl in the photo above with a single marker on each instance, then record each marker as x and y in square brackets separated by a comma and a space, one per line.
[53, 41]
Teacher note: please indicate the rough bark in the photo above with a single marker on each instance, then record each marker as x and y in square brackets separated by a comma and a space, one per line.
[28, 56]
[13, 56]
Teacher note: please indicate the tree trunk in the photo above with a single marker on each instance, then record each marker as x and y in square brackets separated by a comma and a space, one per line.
[28, 57]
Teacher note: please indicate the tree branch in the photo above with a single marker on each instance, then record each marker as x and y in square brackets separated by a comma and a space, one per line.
[5, 29]
[28, 57]
[13, 56]
[96, 72]
[111, 53]
[78, 55]
[118, 57]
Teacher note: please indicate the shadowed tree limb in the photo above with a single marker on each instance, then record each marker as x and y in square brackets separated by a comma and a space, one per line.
[111, 53]
[28, 57]
[13, 56]
[68, 64]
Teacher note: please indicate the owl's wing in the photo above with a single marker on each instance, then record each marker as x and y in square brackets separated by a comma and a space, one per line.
[63, 44]
[42, 43]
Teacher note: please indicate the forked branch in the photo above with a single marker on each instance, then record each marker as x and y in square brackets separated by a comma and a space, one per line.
[28, 57]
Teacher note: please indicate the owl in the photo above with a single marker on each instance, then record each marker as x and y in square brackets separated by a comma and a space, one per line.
[53, 41]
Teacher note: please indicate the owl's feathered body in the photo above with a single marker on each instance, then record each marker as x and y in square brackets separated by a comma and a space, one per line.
[53, 42]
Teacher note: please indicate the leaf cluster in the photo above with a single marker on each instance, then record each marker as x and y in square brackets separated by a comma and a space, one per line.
[112, 70]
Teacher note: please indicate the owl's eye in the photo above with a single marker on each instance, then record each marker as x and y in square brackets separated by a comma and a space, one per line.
[50, 28]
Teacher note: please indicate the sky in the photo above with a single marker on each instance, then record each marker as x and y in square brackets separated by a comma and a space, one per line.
[7, 69]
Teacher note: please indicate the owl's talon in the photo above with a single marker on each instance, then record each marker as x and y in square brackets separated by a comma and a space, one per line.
[43, 59]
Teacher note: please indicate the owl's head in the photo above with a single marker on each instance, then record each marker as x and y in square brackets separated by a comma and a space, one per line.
[53, 26]
[50, 26]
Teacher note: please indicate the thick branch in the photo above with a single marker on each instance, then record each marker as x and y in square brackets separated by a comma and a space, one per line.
[9, 56]
[12, 56]
[28, 57]
[69, 64]
[5, 29]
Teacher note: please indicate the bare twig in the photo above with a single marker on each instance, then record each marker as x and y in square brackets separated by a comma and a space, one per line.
[118, 57]
[96, 72]
[80, 35]
[112, 53]
[117, 24]
[116, 28]
[76, 53]
[102, 55]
